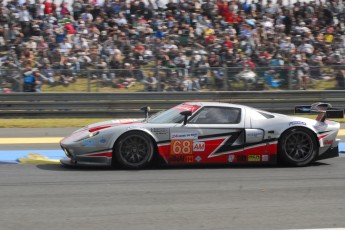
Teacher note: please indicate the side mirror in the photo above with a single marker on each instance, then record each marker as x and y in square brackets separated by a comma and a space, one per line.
[146, 109]
[186, 114]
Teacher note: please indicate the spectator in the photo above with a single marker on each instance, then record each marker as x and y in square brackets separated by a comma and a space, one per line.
[48, 7]
[65, 47]
[25, 20]
[340, 77]
[48, 72]
[39, 80]
[217, 73]
[303, 74]
[150, 83]
[29, 81]
[180, 62]
[249, 34]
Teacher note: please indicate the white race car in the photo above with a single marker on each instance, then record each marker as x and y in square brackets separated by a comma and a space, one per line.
[207, 133]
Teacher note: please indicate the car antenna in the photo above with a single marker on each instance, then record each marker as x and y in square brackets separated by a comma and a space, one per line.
[146, 109]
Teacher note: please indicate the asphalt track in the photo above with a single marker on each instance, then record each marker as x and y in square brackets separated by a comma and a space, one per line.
[44, 196]
[52, 197]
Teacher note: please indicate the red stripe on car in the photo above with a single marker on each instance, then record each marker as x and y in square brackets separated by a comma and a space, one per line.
[104, 154]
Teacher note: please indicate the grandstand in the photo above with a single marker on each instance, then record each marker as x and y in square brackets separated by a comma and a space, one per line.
[171, 45]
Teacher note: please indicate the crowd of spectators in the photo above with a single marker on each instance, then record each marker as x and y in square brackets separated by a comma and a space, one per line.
[52, 42]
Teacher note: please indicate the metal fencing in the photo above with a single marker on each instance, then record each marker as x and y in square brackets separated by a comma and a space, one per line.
[127, 105]
[174, 79]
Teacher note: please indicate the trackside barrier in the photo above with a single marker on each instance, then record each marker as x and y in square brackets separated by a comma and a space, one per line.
[123, 105]
[161, 79]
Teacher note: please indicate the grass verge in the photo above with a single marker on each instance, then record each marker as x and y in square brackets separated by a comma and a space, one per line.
[48, 123]
[81, 85]
[71, 122]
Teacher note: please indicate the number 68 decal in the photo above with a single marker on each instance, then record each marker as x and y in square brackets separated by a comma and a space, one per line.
[181, 147]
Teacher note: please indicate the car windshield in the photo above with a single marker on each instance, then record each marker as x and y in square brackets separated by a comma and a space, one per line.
[172, 115]
[167, 116]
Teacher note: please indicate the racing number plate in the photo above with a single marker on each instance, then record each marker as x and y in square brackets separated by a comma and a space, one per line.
[181, 147]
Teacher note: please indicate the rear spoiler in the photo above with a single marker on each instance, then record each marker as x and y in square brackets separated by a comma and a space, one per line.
[324, 110]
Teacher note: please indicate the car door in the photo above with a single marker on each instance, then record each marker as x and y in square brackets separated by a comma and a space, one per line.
[214, 134]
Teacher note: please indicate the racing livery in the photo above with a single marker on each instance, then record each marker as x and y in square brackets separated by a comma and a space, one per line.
[207, 133]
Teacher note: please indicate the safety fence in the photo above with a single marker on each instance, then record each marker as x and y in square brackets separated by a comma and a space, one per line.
[127, 105]
[174, 79]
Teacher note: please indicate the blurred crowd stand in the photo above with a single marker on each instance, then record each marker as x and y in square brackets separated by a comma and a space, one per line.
[177, 45]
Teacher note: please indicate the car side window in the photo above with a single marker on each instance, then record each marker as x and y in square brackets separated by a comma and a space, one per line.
[217, 115]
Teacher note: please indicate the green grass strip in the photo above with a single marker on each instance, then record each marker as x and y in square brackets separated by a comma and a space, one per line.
[72, 122]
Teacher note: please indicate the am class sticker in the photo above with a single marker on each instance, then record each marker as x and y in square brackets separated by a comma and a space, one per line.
[198, 146]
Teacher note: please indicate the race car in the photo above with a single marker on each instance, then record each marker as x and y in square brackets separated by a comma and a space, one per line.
[207, 133]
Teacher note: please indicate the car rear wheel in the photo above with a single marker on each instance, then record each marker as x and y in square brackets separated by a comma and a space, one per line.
[297, 147]
[134, 150]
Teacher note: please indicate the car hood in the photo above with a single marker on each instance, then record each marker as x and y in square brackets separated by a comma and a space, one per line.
[110, 123]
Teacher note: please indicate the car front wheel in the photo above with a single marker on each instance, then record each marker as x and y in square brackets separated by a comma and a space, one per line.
[134, 150]
[297, 147]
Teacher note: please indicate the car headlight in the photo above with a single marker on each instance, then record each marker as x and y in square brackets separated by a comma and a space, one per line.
[88, 136]
[93, 134]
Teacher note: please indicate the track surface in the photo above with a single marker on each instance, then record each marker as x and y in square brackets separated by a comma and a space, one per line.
[35, 132]
[53, 197]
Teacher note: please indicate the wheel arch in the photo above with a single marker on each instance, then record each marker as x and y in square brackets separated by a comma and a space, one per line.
[304, 128]
[144, 131]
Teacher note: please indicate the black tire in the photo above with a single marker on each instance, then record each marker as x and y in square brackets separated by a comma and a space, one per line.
[297, 147]
[133, 150]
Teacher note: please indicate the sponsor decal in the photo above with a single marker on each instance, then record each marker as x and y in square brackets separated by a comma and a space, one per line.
[160, 131]
[189, 159]
[181, 147]
[253, 158]
[231, 158]
[176, 158]
[186, 107]
[102, 141]
[184, 136]
[265, 158]
[198, 146]
[198, 158]
[136, 127]
[297, 123]
[257, 134]
[181, 159]
[328, 142]
[88, 143]
[241, 158]
[123, 121]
